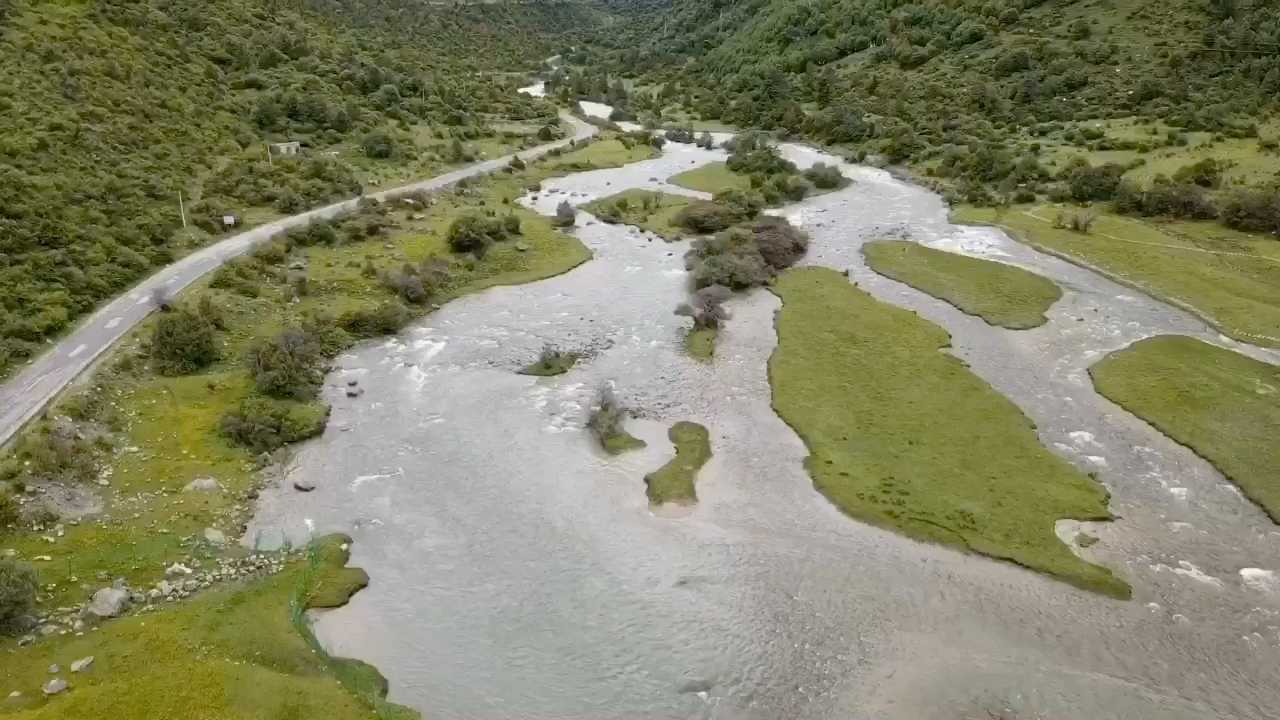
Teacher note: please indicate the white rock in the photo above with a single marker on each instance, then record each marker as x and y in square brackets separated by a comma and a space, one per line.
[214, 537]
[82, 664]
[107, 603]
[54, 686]
[177, 569]
[54, 669]
[206, 484]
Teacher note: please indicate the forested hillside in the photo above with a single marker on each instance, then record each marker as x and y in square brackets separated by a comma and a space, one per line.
[975, 91]
[110, 108]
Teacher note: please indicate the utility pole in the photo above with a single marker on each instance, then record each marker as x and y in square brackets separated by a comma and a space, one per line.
[182, 211]
[267, 147]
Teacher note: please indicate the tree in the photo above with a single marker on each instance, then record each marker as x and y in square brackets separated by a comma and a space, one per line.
[290, 365]
[183, 342]
[706, 307]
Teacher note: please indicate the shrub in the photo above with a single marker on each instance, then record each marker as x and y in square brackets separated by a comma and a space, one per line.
[511, 224]
[17, 590]
[474, 234]
[1183, 200]
[702, 217]
[730, 258]
[211, 312]
[706, 307]
[566, 216]
[1089, 183]
[239, 275]
[10, 512]
[262, 424]
[551, 361]
[516, 163]
[824, 176]
[183, 342]
[606, 423]
[290, 365]
[1207, 173]
[780, 243]
[747, 202]
[1252, 210]
[386, 319]
[705, 141]
[316, 232]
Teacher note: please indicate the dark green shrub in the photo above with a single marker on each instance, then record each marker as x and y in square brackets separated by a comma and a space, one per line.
[386, 319]
[1252, 210]
[10, 513]
[17, 590]
[183, 342]
[474, 234]
[702, 217]
[263, 424]
[824, 176]
[565, 216]
[748, 202]
[1088, 183]
[781, 244]
[289, 365]
[511, 224]
[606, 424]
[730, 258]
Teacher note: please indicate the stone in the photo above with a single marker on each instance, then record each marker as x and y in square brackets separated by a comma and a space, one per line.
[26, 640]
[54, 686]
[164, 588]
[177, 569]
[84, 663]
[54, 669]
[206, 484]
[354, 392]
[303, 485]
[353, 382]
[522, 247]
[15, 694]
[107, 603]
[47, 630]
[214, 537]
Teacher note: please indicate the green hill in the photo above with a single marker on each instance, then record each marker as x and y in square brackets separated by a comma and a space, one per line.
[113, 107]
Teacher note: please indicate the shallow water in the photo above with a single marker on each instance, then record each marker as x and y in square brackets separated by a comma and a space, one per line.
[518, 573]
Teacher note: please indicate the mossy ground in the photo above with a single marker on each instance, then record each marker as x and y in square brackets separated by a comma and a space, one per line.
[712, 177]
[167, 435]
[240, 652]
[551, 366]
[904, 436]
[1000, 294]
[701, 344]
[1231, 279]
[1223, 405]
[674, 482]
[645, 209]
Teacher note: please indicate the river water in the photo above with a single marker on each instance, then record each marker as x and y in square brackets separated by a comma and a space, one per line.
[519, 573]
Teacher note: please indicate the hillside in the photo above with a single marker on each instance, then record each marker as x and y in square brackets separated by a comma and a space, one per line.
[111, 108]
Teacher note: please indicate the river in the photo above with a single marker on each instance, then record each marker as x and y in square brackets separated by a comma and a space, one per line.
[518, 573]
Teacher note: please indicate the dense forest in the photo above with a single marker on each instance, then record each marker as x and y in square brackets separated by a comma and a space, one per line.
[967, 90]
[113, 107]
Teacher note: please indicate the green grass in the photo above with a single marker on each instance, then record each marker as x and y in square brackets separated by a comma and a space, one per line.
[1230, 279]
[644, 209]
[1000, 294]
[903, 436]
[621, 441]
[605, 152]
[674, 482]
[713, 178]
[550, 365]
[701, 344]
[235, 652]
[1223, 405]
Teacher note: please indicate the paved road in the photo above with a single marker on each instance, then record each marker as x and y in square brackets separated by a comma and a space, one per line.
[25, 395]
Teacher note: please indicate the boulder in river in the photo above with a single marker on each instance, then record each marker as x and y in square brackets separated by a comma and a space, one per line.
[303, 485]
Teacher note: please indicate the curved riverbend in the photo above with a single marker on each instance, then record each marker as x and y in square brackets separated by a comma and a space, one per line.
[517, 572]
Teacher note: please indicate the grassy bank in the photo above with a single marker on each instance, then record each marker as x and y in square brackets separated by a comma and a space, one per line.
[674, 482]
[644, 209]
[159, 432]
[712, 178]
[1231, 279]
[606, 152]
[1223, 405]
[1000, 294]
[234, 652]
[905, 437]
[700, 343]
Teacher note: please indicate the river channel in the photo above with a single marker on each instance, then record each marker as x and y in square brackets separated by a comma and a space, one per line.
[518, 573]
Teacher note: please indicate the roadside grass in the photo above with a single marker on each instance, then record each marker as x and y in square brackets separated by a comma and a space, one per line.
[712, 178]
[674, 482]
[166, 428]
[1001, 294]
[645, 209]
[1223, 405]
[233, 652]
[701, 344]
[903, 436]
[1230, 279]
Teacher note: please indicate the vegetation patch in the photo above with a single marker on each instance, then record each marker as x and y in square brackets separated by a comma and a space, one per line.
[551, 361]
[242, 650]
[1001, 294]
[700, 343]
[712, 178]
[645, 209]
[674, 482]
[609, 151]
[904, 436]
[1229, 278]
[606, 424]
[1223, 405]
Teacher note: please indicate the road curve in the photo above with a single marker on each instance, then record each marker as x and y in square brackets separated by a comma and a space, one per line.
[26, 394]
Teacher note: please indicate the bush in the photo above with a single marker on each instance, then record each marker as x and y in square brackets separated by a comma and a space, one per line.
[17, 590]
[566, 216]
[747, 202]
[824, 176]
[511, 224]
[239, 275]
[516, 163]
[702, 217]
[606, 423]
[730, 258]
[407, 285]
[1252, 210]
[316, 232]
[262, 424]
[387, 319]
[1089, 183]
[1207, 173]
[474, 234]
[1183, 201]
[780, 243]
[183, 342]
[706, 307]
[290, 365]
[10, 514]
